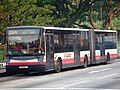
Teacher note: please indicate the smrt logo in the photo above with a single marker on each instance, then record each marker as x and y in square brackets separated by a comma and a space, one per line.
[67, 55]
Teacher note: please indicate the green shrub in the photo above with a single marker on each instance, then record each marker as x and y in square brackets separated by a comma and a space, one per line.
[1, 56]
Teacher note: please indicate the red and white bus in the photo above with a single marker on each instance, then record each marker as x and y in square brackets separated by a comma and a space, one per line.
[37, 48]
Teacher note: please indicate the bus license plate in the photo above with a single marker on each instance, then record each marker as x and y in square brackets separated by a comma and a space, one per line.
[23, 67]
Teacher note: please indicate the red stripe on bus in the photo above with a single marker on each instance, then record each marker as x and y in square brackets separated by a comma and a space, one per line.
[98, 57]
[68, 61]
[26, 63]
[111, 56]
[81, 59]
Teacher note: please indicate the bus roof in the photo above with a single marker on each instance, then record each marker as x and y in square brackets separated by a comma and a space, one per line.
[21, 27]
[58, 28]
[44, 27]
[96, 30]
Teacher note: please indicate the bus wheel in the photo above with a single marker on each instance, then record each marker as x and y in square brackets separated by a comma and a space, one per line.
[58, 66]
[85, 62]
[108, 58]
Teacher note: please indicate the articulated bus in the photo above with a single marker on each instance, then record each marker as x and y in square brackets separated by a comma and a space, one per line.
[41, 49]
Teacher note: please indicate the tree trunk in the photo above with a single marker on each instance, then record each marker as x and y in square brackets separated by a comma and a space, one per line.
[111, 14]
[92, 22]
[108, 21]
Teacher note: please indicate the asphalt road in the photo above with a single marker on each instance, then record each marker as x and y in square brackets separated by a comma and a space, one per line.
[100, 77]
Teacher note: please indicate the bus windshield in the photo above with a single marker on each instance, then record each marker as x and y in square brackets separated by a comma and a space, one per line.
[25, 44]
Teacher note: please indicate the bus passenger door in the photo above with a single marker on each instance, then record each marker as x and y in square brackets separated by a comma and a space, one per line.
[92, 46]
[100, 46]
[76, 47]
[102, 50]
[49, 51]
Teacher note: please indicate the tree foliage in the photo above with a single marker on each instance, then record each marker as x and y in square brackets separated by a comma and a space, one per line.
[64, 13]
[107, 10]
[24, 12]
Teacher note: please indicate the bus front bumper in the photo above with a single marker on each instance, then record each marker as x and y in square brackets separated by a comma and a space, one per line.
[25, 68]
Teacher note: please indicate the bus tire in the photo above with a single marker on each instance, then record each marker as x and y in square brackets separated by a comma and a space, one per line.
[58, 66]
[108, 58]
[85, 62]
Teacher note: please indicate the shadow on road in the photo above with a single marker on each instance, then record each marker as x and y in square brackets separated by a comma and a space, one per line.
[3, 73]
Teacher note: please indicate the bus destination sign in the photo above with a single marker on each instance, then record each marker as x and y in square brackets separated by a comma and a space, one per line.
[23, 32]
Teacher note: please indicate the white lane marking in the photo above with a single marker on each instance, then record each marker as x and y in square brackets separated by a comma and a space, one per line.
[58, 89]
[107, 76]
[73, 84]
[100, 70]
[85, 81]
[90, 89]
[30, 88]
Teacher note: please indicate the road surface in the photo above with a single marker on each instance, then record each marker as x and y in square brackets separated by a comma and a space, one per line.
[100, 77]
